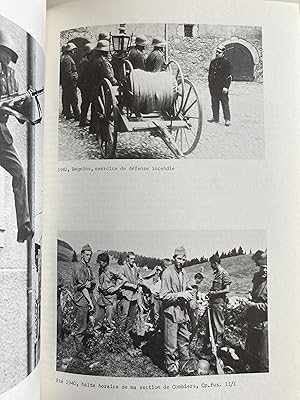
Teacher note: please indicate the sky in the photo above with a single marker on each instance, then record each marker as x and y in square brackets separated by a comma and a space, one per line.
[161, 244]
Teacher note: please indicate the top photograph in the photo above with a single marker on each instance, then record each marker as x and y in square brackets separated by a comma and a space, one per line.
[161, 91]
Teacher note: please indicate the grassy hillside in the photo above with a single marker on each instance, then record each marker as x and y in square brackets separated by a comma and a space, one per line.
[64, 251]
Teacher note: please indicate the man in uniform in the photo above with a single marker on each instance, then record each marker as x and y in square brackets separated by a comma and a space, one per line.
[9, 159]
[219, 80]
[128, 303]
[83, 284]
[156, 61]
[100, 68]
[69, 77]
[257, 316]
[110, 281]
[136, 55]
[176, 293]
[217, 298]
[84, 83]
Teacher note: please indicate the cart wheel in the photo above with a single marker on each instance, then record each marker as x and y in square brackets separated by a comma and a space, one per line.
[108, 127]
[127, 68]
[174, 68]
[188, 137]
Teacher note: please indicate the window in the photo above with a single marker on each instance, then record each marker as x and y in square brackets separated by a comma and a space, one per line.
[188, 30]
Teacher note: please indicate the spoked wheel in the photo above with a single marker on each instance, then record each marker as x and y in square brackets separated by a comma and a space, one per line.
[188, 137]
[108, 117]
[174, 68]
[127, 68]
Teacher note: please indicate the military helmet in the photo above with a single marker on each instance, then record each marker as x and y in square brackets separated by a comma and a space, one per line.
[88, 48]
[103, 36]
[159, 42]
[102, 45]
[70, 46]
[141, 40]
[6, 42]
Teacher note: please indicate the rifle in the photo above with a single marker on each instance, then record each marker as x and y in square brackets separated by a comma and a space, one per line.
[8, 104]
[220, 370]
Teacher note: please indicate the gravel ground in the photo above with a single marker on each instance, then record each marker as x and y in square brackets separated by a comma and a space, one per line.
[244, 139]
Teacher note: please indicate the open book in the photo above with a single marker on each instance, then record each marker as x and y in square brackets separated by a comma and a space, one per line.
[144, 186]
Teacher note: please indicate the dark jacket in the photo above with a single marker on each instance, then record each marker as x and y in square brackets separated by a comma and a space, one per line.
[101, 68]
[82, 274]
[155, 61]
[137, 58]
[219, 74]
[258, 313]
[68, 71]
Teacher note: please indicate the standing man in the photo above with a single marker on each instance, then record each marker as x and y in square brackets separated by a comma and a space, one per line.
[110, 281]
[9, 159]
[219, 80]
[84, 83]
[100, 68]
[176, 294]
[217, 298]
[257, 316]
[69, 77]
[156, 61]
[136, 55]
[128, 303]
[83, 284]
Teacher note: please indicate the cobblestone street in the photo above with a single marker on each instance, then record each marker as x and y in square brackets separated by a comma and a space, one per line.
[244, 139]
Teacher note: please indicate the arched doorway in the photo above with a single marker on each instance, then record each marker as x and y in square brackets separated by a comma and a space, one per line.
[80, 43]
[241, 60]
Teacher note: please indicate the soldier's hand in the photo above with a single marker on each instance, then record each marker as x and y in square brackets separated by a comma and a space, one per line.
[187, 295]
[225, 90]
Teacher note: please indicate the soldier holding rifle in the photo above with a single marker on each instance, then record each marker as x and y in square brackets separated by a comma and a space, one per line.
[9, 158]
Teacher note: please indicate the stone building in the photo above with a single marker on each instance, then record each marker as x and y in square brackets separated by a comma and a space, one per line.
[16, 335]
[193, 46]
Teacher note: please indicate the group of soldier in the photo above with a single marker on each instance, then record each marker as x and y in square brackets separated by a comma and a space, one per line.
[96, 64]
[164, 300]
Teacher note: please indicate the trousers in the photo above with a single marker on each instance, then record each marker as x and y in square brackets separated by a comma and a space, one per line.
[218, 321]
[128, 313]
[257, 348]
[176, 343]
[70, 99]
[9, 160]
[108, 311]
[82, 317]
[217, 97]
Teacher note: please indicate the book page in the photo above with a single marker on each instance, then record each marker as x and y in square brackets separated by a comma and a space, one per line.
[166, 193]
[22, 43]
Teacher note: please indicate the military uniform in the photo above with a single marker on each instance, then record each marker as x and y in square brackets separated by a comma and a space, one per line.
[69, 77]
[9, 159]
[155, 61]
[257, 316]
[137, 58]
[219, 77]
[176, 317]
[81, 274]
[128, 303]
[217, 303]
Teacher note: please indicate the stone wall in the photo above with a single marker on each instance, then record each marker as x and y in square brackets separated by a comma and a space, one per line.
[193, 54]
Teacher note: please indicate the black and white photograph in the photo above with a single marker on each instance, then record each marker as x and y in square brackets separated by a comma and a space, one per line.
[162, 303]
[161, 91]
[21, 144]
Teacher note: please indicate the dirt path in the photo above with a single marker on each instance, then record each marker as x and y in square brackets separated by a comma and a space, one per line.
[244, 139]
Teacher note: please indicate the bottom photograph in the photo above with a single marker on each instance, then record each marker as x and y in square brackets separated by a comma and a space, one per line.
[162, 303]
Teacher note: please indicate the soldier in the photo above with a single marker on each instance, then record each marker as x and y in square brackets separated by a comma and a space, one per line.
[69, 77]
[9, 159]
[104, 36]
[219, 80]
[83, 284]
[136, 55]
[100, 68]
[156, 61]
[217, 298]
[176, 293]
[257, 316]
[84, 83]
[128, 303]
[110, 281]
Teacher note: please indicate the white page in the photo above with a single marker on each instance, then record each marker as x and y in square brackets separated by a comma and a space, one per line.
[20, 295]
[234, 195]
